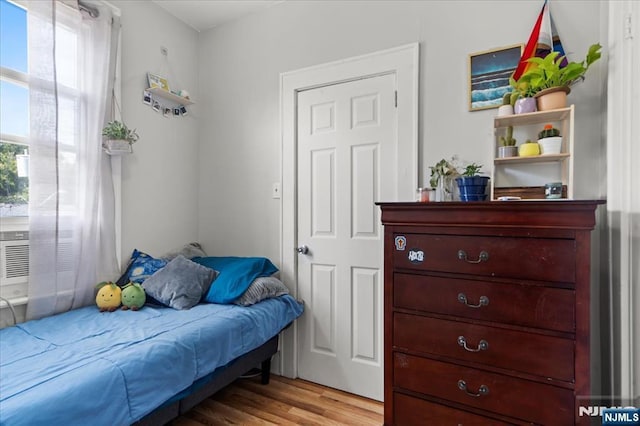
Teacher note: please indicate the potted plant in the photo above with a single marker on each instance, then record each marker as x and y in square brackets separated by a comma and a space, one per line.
[550, 140]
[506, 108]
[529, 149]
[521, 97]
[507, 146]
[442, 174]
[471, 185]
[119, 138]
[550, 82]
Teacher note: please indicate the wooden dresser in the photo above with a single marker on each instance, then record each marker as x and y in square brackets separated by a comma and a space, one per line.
[486, 312]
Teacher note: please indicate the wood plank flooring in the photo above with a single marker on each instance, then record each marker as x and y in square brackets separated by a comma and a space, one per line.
[282, 402]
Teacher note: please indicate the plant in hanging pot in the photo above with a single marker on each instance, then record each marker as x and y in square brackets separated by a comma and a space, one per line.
[471, 185]
[549, 81]
[550, 140]
[119, 138]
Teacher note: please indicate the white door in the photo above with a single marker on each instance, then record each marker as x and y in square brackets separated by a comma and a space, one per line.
[346, 142]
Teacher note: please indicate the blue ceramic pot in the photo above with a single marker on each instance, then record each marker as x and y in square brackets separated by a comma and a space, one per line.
[472, 188]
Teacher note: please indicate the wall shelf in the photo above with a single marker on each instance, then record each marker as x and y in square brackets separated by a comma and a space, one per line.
[533, 117]
[169, 96]
[550, 158]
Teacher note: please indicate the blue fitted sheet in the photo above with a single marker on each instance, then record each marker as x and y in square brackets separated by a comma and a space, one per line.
[86, 367]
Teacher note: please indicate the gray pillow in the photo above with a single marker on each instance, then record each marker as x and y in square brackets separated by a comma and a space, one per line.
[189, 251]
[181, 284]
[262, 288]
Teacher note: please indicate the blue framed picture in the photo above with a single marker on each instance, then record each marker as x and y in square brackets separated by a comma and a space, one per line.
[489, 73]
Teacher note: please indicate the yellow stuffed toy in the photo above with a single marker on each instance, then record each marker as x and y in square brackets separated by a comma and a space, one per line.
[108, 297]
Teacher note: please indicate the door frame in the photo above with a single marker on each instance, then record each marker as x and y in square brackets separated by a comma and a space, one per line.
[403, 61]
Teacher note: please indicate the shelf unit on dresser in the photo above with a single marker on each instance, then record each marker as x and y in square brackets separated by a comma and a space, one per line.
[526, 176]
[486, 312]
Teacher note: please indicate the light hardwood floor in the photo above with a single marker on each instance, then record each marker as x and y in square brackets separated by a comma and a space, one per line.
[282, 402]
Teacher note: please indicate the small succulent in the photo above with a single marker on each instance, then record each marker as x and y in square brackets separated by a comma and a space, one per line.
[548, 132]
[471, 170]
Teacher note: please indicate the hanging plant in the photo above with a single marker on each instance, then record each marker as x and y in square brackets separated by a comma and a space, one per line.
[117, 130]
[119, 138]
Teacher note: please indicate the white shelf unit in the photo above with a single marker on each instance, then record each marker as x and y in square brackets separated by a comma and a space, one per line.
[528, 175]
[156, 91]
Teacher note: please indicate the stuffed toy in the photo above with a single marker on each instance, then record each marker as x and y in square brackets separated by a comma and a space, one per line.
[133, 296]
[108, 297]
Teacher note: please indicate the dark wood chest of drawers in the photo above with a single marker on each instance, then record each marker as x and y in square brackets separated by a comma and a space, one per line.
[487, 312]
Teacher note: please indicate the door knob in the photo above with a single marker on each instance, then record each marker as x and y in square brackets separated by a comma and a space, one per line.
[303, 249]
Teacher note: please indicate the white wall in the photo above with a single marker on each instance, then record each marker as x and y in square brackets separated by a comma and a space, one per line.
[160, 180]
[240, 64]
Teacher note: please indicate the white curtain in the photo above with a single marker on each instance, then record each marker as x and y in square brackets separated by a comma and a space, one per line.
[71, 201]
[623, 200]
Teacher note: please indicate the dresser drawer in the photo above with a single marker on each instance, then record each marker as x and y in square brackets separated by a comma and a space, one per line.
[543, 259]
[546, 356]
[527, 305]
[411, 411]
[510, 396]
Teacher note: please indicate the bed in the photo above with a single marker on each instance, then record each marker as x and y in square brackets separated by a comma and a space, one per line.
[124, 367]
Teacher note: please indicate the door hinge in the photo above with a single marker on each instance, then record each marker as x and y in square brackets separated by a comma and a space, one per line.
[396, 99]
[628, 28]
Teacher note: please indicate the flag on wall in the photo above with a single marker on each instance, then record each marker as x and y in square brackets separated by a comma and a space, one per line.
[543, 39]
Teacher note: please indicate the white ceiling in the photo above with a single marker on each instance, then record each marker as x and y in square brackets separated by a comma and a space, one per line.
[206, 14]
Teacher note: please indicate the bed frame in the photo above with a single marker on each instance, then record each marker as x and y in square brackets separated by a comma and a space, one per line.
[220, 378]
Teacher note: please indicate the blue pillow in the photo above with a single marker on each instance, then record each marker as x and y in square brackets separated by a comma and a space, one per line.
[143, 266]
[236, 275]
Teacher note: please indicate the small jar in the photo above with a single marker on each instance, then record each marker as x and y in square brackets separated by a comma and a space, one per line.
[553, 190]
[422, 194]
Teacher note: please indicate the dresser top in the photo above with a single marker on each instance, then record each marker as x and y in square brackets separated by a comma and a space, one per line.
[568, 214]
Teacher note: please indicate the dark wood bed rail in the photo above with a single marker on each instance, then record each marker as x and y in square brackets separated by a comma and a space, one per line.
[222, 377]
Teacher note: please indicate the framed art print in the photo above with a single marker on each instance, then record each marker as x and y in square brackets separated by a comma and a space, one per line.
[489, 73]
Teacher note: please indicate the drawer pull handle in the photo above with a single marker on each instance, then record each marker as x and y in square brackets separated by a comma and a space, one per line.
[483, 345]
[484, 256]
[483, 390]
[462, 298]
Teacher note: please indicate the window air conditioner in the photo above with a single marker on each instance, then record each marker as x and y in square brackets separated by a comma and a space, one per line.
[14, 264]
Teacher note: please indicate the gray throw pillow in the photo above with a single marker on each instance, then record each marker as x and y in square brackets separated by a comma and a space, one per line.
[262, 288]
[189, 251]
[181, 284]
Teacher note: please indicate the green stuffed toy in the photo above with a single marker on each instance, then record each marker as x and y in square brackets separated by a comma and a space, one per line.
[133, 296]
[108, 297]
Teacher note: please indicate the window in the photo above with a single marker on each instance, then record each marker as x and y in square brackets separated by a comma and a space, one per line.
[14, 111]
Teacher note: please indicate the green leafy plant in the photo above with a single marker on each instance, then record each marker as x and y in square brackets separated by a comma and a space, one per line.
[443, 169]
[548, 72]
[117, 130]
[471, 170]
[548, 132]
[520, 89]
[508, 139]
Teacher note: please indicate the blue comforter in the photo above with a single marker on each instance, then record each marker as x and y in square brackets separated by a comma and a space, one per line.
[86, 367]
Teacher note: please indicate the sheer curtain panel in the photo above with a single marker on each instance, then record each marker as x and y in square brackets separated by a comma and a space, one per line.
[623, 200]
[71, 208]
